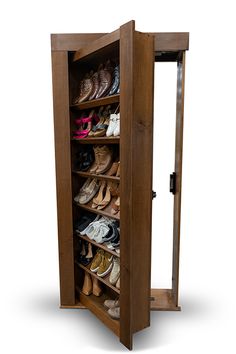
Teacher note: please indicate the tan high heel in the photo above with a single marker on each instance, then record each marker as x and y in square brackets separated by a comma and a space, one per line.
[98, 199]
[106, 199]
[87, 286]
[90, 251]
[116, 206]
[113, 170]
[97, 290]
[118, 170]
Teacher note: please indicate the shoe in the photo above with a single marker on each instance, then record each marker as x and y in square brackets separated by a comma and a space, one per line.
[97, 261]
[107, 198]
[105, 159]
[95, 165]
[112, 125]
[85, 195]
[113, 233]
[114, 313]
[100, 196]
[97, 290]
[105, 265]
[115, 273]
[111, 303]
[115, 81]
[85, 125]
[95, 227]
[116, 206]
[84, 221]
[116, 131]
[105, 79]
[84, 255]
[95, 89]
[118, 283]
[87, 286]
[84, 232]
[113, 170]
[118, 170]
[86, 89]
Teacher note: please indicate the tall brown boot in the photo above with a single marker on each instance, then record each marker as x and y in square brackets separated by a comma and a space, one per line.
[97, 290]
[88, 286]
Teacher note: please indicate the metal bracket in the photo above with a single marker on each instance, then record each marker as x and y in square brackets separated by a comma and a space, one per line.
[173, 183]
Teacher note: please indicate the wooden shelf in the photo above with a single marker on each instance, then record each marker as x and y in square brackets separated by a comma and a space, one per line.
[103, 101]
[100, 140]
[93, 175]
[95, 305]
[99, 245]
[104, 280]
[104, 212]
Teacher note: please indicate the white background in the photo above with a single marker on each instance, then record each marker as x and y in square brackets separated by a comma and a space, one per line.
[31, 321]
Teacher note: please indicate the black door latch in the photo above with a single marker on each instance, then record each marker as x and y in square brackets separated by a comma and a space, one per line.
[154, 194]
[173, 183]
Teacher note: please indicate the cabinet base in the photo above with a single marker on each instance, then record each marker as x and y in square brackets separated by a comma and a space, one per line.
[161, 300]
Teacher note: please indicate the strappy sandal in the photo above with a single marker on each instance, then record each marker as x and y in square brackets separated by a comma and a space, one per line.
[85, 125]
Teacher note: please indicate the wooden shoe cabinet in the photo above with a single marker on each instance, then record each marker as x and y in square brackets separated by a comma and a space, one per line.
[72, 56]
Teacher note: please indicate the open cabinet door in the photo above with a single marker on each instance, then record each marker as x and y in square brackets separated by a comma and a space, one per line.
[136, 142]
[134, 52]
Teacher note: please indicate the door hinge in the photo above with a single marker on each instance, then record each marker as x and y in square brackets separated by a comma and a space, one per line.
[154, 194]
[173, 183]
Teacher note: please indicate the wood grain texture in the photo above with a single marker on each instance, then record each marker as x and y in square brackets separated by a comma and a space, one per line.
[163, 41]
[162, 300]
[136, 110]
[96, 103]
[178, 171]
[63, 176]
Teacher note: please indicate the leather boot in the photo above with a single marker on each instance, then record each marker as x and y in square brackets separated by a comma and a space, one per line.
[96, 161]
[88, 286]
[105, 159]
[95, 86]
[105, 78]
[86, 90]
[115, 81]
[97, 290]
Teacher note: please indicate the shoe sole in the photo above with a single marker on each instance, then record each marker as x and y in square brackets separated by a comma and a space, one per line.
[106, 272]
[94, 270]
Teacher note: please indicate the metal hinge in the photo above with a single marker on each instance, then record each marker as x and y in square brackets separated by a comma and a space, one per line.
[173, 183]
[154, 194]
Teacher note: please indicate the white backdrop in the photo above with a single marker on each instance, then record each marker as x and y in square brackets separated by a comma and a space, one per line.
[30, 318]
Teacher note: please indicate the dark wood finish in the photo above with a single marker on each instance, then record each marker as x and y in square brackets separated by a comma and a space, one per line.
[162, 300]
[178, 171]
[100, 140]
[97, 44]
[104, 280]
[163, 41]
[77, 305]
[98, 102]
[93, 175]
[105, 212]
[95, 305]
[99, 245]
[136, 108]
[63, 176]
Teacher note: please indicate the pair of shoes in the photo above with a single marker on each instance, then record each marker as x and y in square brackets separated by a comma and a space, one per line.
[114, 125]
[102, 230]
[105, 81]
[87, 191]
[91, 286]
[115, 81]
[85, 125]
[84, 159]
[115, 273]
[84, 221]
[103, 197]
[113, 307]
[100, 128]
[102, 263]
[103, 159]
[86, 253]
[114, 170]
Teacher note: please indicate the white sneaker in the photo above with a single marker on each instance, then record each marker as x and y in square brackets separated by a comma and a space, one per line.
[115, 273]
[116, 131]
[84, 232]
[112, 124]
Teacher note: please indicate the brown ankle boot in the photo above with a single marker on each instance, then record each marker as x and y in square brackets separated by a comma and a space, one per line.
[97, 290]
[88, 286]
[105, 159]
[95, 165]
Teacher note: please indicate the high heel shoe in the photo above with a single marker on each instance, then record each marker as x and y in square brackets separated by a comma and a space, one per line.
[97, 290]
[98, 199]
[106, 199]
[87, 286]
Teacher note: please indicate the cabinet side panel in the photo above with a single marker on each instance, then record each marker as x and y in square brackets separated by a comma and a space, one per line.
[63, 175]
[142, 155]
